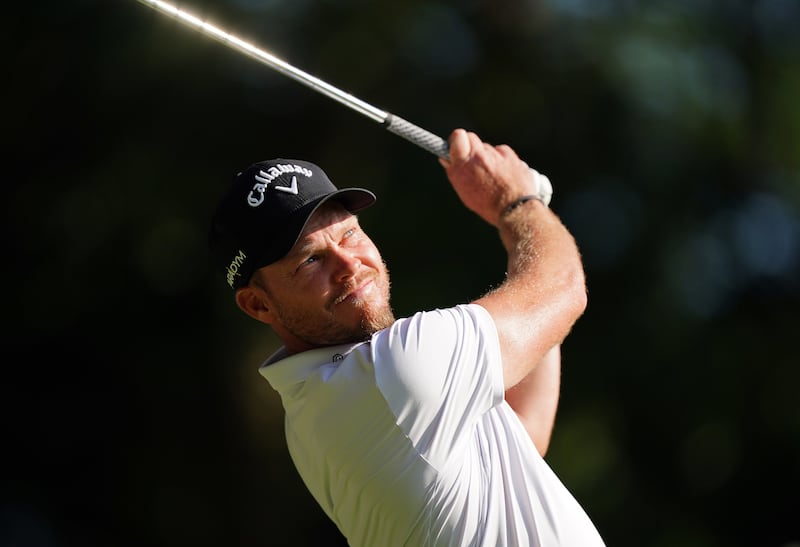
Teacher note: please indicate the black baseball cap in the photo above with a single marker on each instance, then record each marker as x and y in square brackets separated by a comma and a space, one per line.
[261, 215]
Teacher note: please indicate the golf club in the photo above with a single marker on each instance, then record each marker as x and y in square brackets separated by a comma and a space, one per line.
[395, 124]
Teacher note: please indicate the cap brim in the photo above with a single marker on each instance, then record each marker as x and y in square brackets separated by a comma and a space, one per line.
[352, 199]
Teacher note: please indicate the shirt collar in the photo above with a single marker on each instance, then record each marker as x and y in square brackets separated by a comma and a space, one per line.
[282, 370]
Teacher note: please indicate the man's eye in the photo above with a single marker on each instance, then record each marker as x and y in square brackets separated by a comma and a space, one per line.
[308, 261]
[353, 235]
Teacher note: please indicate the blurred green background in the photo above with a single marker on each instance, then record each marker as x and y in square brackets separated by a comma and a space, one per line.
[132, 410]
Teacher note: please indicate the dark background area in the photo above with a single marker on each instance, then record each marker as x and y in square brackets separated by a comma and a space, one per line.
[132, 410]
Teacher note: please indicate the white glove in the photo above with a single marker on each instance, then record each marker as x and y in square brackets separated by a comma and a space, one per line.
[544, 190]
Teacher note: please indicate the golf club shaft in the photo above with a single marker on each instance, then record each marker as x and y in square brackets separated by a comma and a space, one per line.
[395, 124]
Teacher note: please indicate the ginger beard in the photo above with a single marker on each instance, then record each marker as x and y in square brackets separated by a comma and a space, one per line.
[344, 318]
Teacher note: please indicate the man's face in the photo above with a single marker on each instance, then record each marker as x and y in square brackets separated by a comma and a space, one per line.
[332, 287]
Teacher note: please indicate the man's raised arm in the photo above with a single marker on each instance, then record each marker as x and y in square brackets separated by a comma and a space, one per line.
[544, 292]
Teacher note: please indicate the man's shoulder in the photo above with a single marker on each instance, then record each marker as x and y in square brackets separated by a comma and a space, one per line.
[432, 335]
[460, 316]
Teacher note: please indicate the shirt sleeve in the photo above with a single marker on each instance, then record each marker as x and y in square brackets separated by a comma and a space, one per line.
[439, 372]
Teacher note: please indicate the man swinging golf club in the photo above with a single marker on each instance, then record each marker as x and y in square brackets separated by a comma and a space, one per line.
[425, 430]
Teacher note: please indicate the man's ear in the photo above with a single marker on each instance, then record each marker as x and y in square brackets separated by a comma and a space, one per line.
[253, 302]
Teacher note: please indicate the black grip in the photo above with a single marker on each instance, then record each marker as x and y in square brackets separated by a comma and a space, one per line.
[422, 138]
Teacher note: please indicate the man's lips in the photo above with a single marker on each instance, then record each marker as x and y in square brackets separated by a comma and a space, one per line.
[360, 290]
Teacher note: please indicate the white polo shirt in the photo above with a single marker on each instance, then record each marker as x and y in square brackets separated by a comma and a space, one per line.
[407, 440]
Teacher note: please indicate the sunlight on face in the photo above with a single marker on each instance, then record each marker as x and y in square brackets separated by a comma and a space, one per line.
[332, 287]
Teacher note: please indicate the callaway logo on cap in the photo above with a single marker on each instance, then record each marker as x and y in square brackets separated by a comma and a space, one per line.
[264, 178]
[261, 215]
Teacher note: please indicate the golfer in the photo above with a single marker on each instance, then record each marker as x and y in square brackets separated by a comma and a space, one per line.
[427, 430]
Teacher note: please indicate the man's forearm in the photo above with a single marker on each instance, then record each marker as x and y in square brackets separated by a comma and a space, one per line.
[535, 399]
[544, 291]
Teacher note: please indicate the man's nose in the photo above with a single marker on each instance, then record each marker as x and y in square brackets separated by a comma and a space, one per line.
[347, 265]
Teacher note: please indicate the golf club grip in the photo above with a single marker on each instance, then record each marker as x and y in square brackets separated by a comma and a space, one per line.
[422, 138]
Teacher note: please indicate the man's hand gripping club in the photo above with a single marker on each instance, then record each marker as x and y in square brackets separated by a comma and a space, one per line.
[544, 292]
